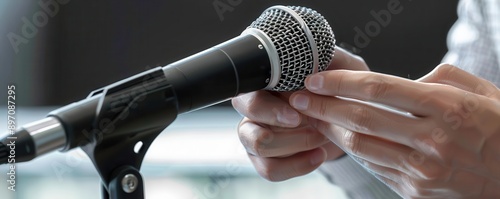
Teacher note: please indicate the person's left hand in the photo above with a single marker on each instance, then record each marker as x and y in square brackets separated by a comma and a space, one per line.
[442, 142]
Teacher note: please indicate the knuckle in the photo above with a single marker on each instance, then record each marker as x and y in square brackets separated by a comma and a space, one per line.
[443, 152]
[441, 73]
[323, 108]
[361, 119]
[248, 144]
[430, 98]
[244, 131]
[309, 140]
[430, 173]
[265, 137]
[261, 143]
[352, 142]
[376, 88]
[444, 70]
[417, 188]
[436, 99]
[254, 138]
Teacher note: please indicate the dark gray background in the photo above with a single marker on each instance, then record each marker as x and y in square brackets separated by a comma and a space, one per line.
[92, 43]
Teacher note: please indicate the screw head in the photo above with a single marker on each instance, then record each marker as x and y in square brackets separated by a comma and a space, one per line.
[130, 183]
[261, 46]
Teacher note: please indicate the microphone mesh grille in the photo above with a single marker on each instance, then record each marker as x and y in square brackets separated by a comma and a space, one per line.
[292, 44]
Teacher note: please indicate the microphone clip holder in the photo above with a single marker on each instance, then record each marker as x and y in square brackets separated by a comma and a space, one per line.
[129, 115]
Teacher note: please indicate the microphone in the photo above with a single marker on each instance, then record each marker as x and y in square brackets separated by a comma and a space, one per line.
[276, 52]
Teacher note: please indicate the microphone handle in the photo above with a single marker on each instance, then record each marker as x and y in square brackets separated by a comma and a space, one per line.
[240, 65]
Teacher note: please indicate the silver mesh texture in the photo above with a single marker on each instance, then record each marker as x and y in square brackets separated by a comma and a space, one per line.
[292, 44]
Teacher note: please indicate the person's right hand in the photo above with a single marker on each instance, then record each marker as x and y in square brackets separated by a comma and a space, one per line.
[280, 142]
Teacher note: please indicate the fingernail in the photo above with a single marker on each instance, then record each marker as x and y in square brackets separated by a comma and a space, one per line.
[288, 116]
[300, 102]
[318, 157]
[315, 82]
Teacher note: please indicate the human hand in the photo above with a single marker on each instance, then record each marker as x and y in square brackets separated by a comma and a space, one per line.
[444, 142]
[280, 142]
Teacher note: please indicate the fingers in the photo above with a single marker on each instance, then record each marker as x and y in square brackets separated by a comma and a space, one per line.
[359, 117]
[279, 169]
[267, 141]
[333, 151]
[451, 75]
[406, 170]
[401, 183]
[266, 108]
[281, 153]
[436, 153]
[343, 59]
[395, 156]
[384, 153]
[416, 97]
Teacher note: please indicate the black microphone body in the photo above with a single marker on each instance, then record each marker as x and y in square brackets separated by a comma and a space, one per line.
[238, 66]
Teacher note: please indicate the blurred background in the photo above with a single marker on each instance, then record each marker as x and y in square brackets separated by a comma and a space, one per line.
[57, 51]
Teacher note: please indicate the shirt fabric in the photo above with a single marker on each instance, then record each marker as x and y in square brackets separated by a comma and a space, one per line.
[473, 45]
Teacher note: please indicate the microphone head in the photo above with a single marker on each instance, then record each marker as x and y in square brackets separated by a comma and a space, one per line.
[303, 43]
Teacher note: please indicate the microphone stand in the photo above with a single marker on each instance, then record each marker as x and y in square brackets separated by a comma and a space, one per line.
[129, 115]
